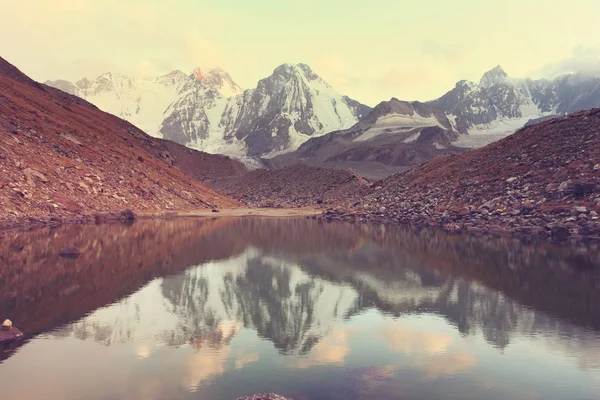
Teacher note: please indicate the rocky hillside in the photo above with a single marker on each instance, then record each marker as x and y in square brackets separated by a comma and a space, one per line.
[544, 180]
[61, 156]
[395, 136]
[295, 186]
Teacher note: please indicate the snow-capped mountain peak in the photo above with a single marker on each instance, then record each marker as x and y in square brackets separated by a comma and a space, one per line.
[299, 69]
[208, 111]
[175, 77]
[140, 100]
[218, 79]
[286, 109]
[493, 77]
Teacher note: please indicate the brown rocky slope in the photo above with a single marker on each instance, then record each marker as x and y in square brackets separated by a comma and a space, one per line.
[544, 180]
[295, 186]
[61, 157]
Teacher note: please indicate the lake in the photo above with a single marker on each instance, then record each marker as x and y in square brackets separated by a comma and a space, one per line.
[227, 307]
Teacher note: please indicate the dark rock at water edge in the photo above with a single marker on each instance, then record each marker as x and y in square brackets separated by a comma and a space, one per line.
[126, 216]
[9, 336]
[69, 252]
[265, 396]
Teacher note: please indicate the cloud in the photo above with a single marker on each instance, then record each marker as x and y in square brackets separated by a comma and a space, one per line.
[205, 364]
[581, 59]
[332, 350]
[446, 364]
[201, 51]
[448, 53]
[430, 351]
[243, 360]
[406, 339]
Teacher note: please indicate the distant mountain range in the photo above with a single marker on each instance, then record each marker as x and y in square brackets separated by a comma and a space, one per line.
[399, 135]
[395, 136]
[209, 111]
[503, 104]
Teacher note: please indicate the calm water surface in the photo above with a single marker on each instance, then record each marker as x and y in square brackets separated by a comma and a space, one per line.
[220, 308]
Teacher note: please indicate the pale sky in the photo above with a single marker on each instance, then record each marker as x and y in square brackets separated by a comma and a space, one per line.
[371, 50]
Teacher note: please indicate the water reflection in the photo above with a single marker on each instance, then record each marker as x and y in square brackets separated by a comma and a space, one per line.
[229, 306]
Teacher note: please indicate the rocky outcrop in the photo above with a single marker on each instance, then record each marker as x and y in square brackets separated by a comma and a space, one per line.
[61, 157]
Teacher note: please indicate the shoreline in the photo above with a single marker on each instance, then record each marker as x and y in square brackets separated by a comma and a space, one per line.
[554, 232]
[126, 216]
[452, 226]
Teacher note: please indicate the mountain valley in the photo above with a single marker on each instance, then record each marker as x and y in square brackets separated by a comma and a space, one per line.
[294, 116]
[541, 181]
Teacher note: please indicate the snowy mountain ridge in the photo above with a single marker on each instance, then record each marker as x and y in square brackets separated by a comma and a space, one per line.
[282, 112]
[208, 111]
[140, 100]
[500, 104]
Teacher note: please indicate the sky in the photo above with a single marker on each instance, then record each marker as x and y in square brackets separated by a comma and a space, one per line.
[370, 50]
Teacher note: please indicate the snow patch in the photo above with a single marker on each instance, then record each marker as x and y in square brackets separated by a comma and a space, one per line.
[389, 123]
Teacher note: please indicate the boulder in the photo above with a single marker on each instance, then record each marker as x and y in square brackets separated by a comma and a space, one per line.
[10, 335]
[265, 396]
[583, 188]
[565, 186]
[69, 251]
[578, 210]
[127, 215]
[560, 232]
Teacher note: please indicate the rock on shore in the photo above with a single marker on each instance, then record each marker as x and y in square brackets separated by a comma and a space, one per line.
[265, 396]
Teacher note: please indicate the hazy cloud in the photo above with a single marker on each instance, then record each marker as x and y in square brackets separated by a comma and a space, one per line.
[436, 50]
[408, 340]
[409, 51]
[446, 364]
[333, 349]
[201, 51]
[582, 59]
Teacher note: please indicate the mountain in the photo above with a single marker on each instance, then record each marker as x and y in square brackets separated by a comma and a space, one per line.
[399, 135]
[63, 157]
[395, 136]
[141, 101]
[502, 104]
[282, 112]
[209, 111]
[194, 116]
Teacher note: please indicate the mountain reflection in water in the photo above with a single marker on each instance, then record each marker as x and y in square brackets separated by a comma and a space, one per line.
[225, 307]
